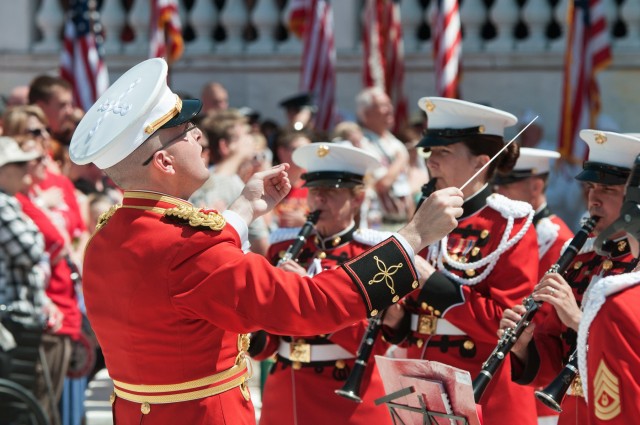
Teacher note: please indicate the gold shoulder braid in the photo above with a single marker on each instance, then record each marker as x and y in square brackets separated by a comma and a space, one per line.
[197, 217]
[105, 216]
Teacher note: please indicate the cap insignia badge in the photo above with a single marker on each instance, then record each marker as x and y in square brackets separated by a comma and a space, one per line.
[600, 138]
[322, 151]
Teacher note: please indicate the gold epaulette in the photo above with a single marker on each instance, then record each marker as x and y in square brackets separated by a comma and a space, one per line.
[197, 217]
[105, 216]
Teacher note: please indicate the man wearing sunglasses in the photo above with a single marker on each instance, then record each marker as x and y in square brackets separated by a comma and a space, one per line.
[169, 291]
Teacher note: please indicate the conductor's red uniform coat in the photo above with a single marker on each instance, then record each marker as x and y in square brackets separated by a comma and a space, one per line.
[170, 299]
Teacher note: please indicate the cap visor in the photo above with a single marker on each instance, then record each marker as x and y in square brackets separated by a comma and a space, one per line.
[190, 108]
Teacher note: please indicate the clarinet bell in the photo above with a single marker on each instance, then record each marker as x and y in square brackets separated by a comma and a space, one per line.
[349, 393]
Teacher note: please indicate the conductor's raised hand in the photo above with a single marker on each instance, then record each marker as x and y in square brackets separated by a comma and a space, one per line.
[262, 192]
[436, 217]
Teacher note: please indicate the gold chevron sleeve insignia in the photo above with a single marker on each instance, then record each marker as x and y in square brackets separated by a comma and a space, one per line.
[606, 393]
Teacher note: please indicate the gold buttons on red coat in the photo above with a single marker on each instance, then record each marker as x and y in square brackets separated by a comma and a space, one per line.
[145, 408]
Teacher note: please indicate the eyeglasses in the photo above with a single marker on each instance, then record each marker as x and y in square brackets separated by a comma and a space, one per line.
[179, 137]
[37, 132]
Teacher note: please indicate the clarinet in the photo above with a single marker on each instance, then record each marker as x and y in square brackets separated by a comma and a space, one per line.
[351, 388]
[553, 394]
[511, 335]
[294, 249]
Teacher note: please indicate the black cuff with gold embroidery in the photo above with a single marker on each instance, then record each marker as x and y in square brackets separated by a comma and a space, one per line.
[440, 292]
[383, 274]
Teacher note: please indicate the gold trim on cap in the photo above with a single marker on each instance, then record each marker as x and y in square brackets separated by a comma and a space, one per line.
[151, 128]
[600, 138]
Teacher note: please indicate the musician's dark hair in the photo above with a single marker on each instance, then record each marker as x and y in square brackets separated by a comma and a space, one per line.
[490, 145]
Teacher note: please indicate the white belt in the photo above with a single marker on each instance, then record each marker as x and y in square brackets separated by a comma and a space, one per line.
[318, 352]
[442, 326]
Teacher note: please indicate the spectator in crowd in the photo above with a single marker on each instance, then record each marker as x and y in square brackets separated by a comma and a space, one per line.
[299, 110]
[54, 96]
[417, 173]
[215, 98]
[351, 132]
[392, 190]
[18, 96]
[231, 146]
[53, 191]
[292, 210]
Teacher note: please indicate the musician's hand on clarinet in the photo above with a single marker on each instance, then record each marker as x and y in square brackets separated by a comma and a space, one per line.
[293, 267]
[435, 218]
[553, 289]
[510, 318]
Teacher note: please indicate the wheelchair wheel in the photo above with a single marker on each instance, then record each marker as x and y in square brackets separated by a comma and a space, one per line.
[19, 406]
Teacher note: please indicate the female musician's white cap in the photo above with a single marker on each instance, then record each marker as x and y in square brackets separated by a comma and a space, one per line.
[611, 156]
[453, 120]
[531, 162]
[334, 164]
[128, 113]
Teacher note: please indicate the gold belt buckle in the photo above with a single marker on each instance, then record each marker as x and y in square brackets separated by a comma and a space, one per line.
[576, 387]
[427, 324]
[300, 351]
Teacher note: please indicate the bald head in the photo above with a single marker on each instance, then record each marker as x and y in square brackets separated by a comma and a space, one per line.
[214, 98]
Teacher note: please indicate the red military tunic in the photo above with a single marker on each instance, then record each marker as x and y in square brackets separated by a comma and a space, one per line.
[610, 328]
[170, 299]
[456, 323]
[304, 392]
[553, 342]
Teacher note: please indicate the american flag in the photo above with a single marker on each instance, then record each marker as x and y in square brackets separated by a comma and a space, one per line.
[166, 31]
[447, 48]
[81, 59]
[318, 74]
[588, 51]
[384, 53]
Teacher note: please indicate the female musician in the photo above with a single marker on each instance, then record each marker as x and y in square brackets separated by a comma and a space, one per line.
[541, 353]
[488, 263]
[301, 386]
